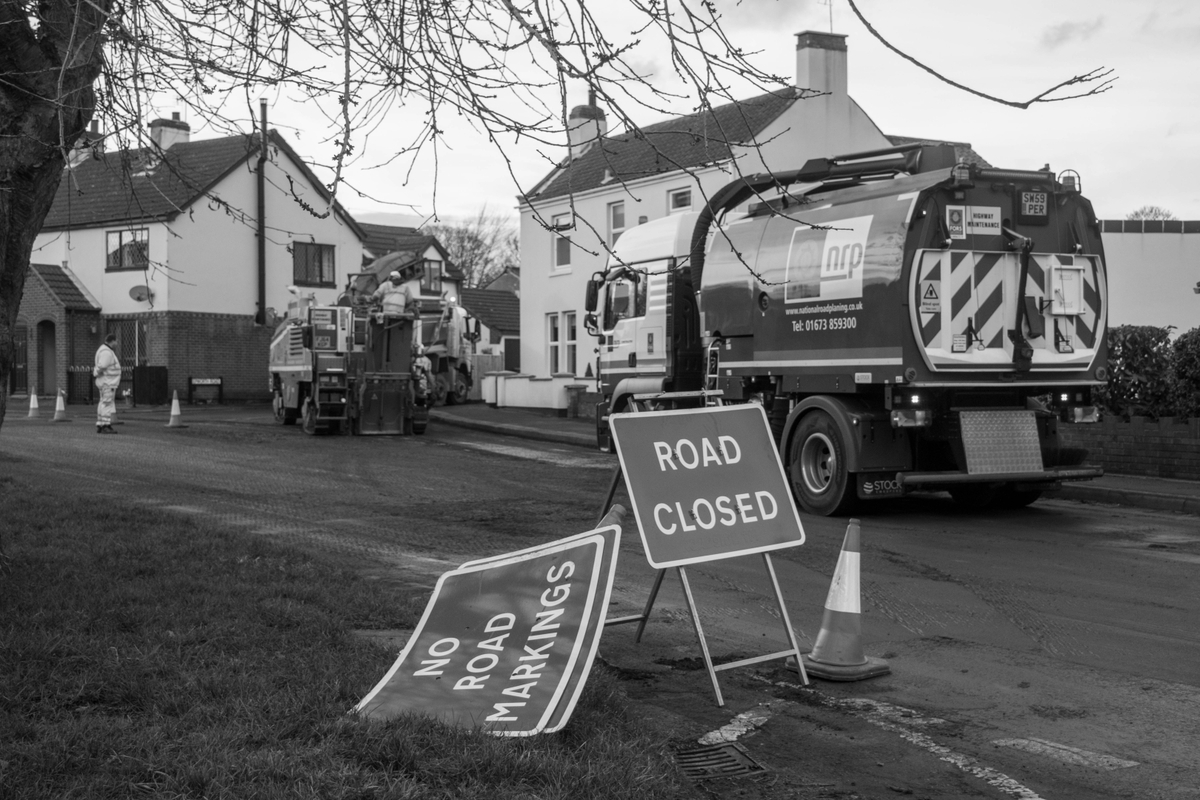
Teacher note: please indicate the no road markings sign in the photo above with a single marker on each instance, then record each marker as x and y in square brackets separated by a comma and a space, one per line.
[505, 644]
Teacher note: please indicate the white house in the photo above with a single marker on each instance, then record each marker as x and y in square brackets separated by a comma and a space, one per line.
[608, 184]
[189, 249]
[1153, 273]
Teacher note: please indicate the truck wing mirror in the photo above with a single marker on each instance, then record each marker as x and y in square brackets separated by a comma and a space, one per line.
[593, 295]
[589, 324]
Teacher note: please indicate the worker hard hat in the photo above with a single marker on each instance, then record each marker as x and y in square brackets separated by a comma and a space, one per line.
[394, 274]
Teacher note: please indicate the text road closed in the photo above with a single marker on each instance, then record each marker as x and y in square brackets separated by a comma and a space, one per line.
[705, 484]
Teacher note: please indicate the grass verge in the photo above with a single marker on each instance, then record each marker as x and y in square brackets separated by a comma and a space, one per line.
[144, 654]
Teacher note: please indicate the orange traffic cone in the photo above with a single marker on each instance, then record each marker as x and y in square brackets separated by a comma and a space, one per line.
[60, 409]
[33, 406]
[176, 421]
[838, 653]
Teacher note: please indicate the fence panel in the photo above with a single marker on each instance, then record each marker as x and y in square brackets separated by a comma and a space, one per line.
[482, 364]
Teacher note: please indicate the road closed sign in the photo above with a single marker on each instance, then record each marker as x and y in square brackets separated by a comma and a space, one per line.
[705, 483]
[505, 644]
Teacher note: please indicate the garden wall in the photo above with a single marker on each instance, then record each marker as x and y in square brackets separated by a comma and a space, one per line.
[1166, 448]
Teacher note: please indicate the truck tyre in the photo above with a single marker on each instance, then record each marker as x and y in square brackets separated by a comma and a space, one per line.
[283, 414]
[309, 425]
[459, 391]
[817, 466]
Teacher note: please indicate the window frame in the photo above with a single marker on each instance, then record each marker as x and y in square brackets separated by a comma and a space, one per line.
[553, 337]
[140, 236]
[432, 277]
[615, 232]
[560, 245]
[671, 207]
[320, 248]
[570, 342]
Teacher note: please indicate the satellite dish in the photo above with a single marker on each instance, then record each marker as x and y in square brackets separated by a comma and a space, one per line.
[141, 293]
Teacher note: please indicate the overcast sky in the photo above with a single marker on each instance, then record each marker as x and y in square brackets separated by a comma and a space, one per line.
[1136, 144]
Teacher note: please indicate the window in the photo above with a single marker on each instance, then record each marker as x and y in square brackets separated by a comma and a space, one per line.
[312, 264]
[552, 340]
[616, 222]
[128, 250]
[561, 256]
[679, 200]
[431, 279]
[626, 298]
[570, 342]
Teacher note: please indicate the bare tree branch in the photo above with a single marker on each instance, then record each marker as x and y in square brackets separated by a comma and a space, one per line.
[1099, 74]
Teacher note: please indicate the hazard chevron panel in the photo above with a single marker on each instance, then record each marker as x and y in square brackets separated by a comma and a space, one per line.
[964, 303]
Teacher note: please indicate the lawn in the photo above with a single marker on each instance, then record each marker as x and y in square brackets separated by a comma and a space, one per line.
[142, 654]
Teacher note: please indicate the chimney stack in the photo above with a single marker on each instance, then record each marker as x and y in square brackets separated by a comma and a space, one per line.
[585, 126]
[821, 62]
[166, 132]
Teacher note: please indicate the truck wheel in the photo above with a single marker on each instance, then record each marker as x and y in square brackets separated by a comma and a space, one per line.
[818, 466]
[441, 390]
[459, 391]
[309, 425]
[283, 414]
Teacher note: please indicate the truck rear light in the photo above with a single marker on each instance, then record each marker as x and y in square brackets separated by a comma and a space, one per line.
[1083, 414]
[911, 418]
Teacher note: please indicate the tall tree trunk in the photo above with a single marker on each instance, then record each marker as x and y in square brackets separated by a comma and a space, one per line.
[49, 65]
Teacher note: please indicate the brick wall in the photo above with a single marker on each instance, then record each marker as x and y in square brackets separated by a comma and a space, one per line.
[1167, 448]
[228, 346]
[76, 335]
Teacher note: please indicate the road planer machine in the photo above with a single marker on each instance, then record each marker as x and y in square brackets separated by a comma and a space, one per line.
[909, 322]
[348, 368]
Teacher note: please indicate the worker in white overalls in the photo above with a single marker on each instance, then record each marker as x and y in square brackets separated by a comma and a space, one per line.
[108, 377]
[394, 295]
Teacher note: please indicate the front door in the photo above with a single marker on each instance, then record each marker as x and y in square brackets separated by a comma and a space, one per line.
[47, 358]
[19, 374]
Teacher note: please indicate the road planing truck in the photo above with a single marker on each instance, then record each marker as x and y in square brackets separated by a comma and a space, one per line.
[908, 321]
[348, 368]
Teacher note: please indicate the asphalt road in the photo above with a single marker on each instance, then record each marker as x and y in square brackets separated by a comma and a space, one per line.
[1052, 652]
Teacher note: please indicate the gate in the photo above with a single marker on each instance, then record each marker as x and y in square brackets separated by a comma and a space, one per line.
[149, 386]
[482, 364]
[18, 377]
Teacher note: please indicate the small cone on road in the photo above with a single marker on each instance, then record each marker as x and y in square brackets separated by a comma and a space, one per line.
[838, 653]
[33, 405]
[176, 421]
[60, 409]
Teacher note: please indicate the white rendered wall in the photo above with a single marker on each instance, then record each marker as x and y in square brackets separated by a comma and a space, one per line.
[1151, 278]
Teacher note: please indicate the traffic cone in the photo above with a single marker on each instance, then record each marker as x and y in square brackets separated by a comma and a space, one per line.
[33, 406]
[175, 421]
[838, 653]
[60, 409]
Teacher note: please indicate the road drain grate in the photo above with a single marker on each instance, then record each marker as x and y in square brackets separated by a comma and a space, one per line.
[718, 761]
